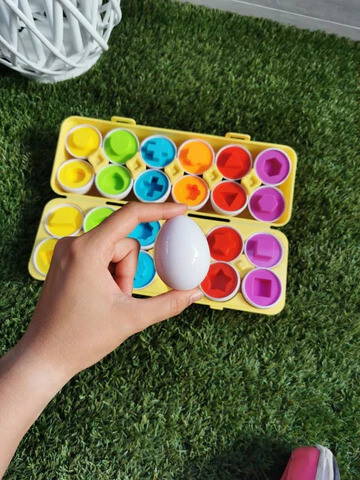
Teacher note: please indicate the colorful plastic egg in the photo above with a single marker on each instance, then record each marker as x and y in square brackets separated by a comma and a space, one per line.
[182, 256]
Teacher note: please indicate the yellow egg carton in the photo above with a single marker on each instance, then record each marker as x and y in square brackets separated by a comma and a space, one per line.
[65, 215]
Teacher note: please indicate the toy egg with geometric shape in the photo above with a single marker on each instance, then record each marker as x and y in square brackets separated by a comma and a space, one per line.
[229, 198]
[264, 250]
[233, 161]
[114, 181]
[75, 176]
[145, 270]
[262, 288]
[158, 151]
[82, 141]
[120, 145]
[225, 243]
[145, 233]
[95, 217]
[182, 255]
[65, 220]
[192, 191]
[221, 283]
[43, 254]
[196, 156]
[272, 166]
[152, 186]
[267, 204]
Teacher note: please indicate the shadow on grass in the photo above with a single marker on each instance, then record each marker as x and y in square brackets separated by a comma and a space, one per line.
[7, 72]
[39, 145]
[13, 75]
[259, 458]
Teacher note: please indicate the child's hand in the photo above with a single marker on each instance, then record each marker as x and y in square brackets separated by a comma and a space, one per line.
[84, 312]
[86, 309]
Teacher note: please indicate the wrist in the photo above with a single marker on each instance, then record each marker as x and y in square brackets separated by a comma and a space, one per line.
[27, 384]
[33, 372]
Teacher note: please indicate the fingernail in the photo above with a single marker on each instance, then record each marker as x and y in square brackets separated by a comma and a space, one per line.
[197, 295]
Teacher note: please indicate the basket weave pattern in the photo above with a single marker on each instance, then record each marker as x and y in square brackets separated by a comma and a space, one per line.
[53, 40]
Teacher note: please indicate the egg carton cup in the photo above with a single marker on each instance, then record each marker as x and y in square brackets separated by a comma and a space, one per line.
[76, 228]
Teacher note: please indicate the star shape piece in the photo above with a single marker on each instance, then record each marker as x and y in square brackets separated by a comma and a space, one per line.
[220, 281]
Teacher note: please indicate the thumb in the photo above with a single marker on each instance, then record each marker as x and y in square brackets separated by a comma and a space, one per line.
[166, 305]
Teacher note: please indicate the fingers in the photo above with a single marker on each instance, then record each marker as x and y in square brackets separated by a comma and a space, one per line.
[125, 268]
[122, 248]
[165, 306]
[122, 222]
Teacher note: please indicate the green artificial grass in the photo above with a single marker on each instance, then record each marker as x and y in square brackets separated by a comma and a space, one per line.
[210, 394]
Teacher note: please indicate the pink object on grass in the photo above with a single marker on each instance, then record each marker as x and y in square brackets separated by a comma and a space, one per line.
[302, 464]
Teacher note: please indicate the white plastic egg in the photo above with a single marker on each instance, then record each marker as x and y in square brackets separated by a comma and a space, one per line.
[182, 256]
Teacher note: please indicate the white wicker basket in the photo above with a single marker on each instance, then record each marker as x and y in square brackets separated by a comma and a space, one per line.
[53, 40]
